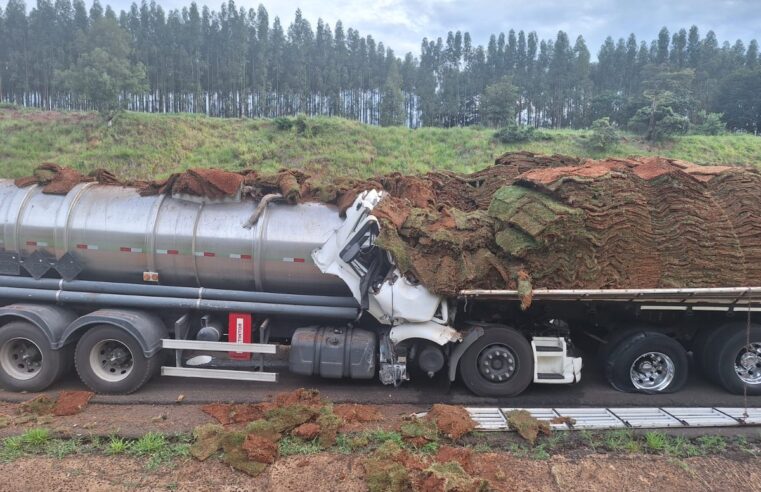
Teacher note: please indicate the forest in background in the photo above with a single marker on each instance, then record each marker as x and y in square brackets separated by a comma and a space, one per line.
[240, 63]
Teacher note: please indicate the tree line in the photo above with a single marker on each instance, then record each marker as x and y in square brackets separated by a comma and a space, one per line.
[236, 62]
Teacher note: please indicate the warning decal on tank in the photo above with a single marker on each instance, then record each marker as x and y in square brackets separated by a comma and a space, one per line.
[294, 260]
[127, 249]
[167, 252]
[39, 244]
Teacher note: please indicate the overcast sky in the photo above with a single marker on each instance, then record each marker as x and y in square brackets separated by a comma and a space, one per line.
[402, 24]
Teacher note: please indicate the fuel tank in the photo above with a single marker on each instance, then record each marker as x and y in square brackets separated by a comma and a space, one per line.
[116, 235]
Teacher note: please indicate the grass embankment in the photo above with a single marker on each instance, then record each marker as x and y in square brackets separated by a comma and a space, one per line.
[141, 146]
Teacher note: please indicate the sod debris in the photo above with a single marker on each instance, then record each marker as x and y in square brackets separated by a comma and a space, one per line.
[527, 222]
[248, 434]
[527, 426]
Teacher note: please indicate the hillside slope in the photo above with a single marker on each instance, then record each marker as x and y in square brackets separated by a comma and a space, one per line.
[148, 146]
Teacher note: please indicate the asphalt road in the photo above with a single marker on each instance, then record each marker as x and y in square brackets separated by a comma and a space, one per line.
[593, 390]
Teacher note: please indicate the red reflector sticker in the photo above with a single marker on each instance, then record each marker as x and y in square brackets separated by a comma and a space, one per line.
[236, 256]
[125, 249]
[40, 244]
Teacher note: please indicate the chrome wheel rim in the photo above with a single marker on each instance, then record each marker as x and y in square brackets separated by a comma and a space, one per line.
[652, 371]
[748, 364]
[111, 360]
[497, 363]
[21, 358]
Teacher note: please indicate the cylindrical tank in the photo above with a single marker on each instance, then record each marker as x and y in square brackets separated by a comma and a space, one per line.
[117, 235]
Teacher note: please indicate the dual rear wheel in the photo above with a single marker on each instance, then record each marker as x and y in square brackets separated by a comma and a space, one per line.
[645, 361]
[27, 363]
[731, 357]
[110, 360]
[107, 359]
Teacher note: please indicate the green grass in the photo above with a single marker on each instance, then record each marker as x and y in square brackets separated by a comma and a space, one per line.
[382, 436]
[35, 438]
[145, 146]
[117, 445]
[156, 448]
[289, 446]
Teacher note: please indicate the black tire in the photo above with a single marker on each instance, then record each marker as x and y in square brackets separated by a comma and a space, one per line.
[520, 352]
[141, 369]
[53, 363]
[613, 339]
[703, 350]
[620, 360]
[721, 357]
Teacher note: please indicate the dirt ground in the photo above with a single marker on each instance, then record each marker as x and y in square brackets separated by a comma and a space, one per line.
[332, 472]
[477, 461]
[133, 421]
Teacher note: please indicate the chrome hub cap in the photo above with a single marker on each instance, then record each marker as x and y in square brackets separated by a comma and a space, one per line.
[652, 371]
[21, 358]
[111, 360]
[748, 364]
[496, 363]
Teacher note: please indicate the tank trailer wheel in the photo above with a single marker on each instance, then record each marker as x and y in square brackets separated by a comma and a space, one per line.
[647, 362]
[110, 360]
[735, 363]
[27, 363]
[499, 364]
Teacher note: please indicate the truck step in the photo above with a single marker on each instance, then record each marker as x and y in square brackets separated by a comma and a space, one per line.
[195, 372]
[544, 348]
[549, 375]
[257, 348]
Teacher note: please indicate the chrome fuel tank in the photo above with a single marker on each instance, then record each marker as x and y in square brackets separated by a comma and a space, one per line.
[117, 235]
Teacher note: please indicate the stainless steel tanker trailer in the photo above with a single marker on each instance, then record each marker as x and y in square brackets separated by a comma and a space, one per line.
[123, 287]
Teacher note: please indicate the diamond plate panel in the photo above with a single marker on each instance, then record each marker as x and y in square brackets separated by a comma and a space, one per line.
[10, 263]
[68, 266]
[38, 264]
